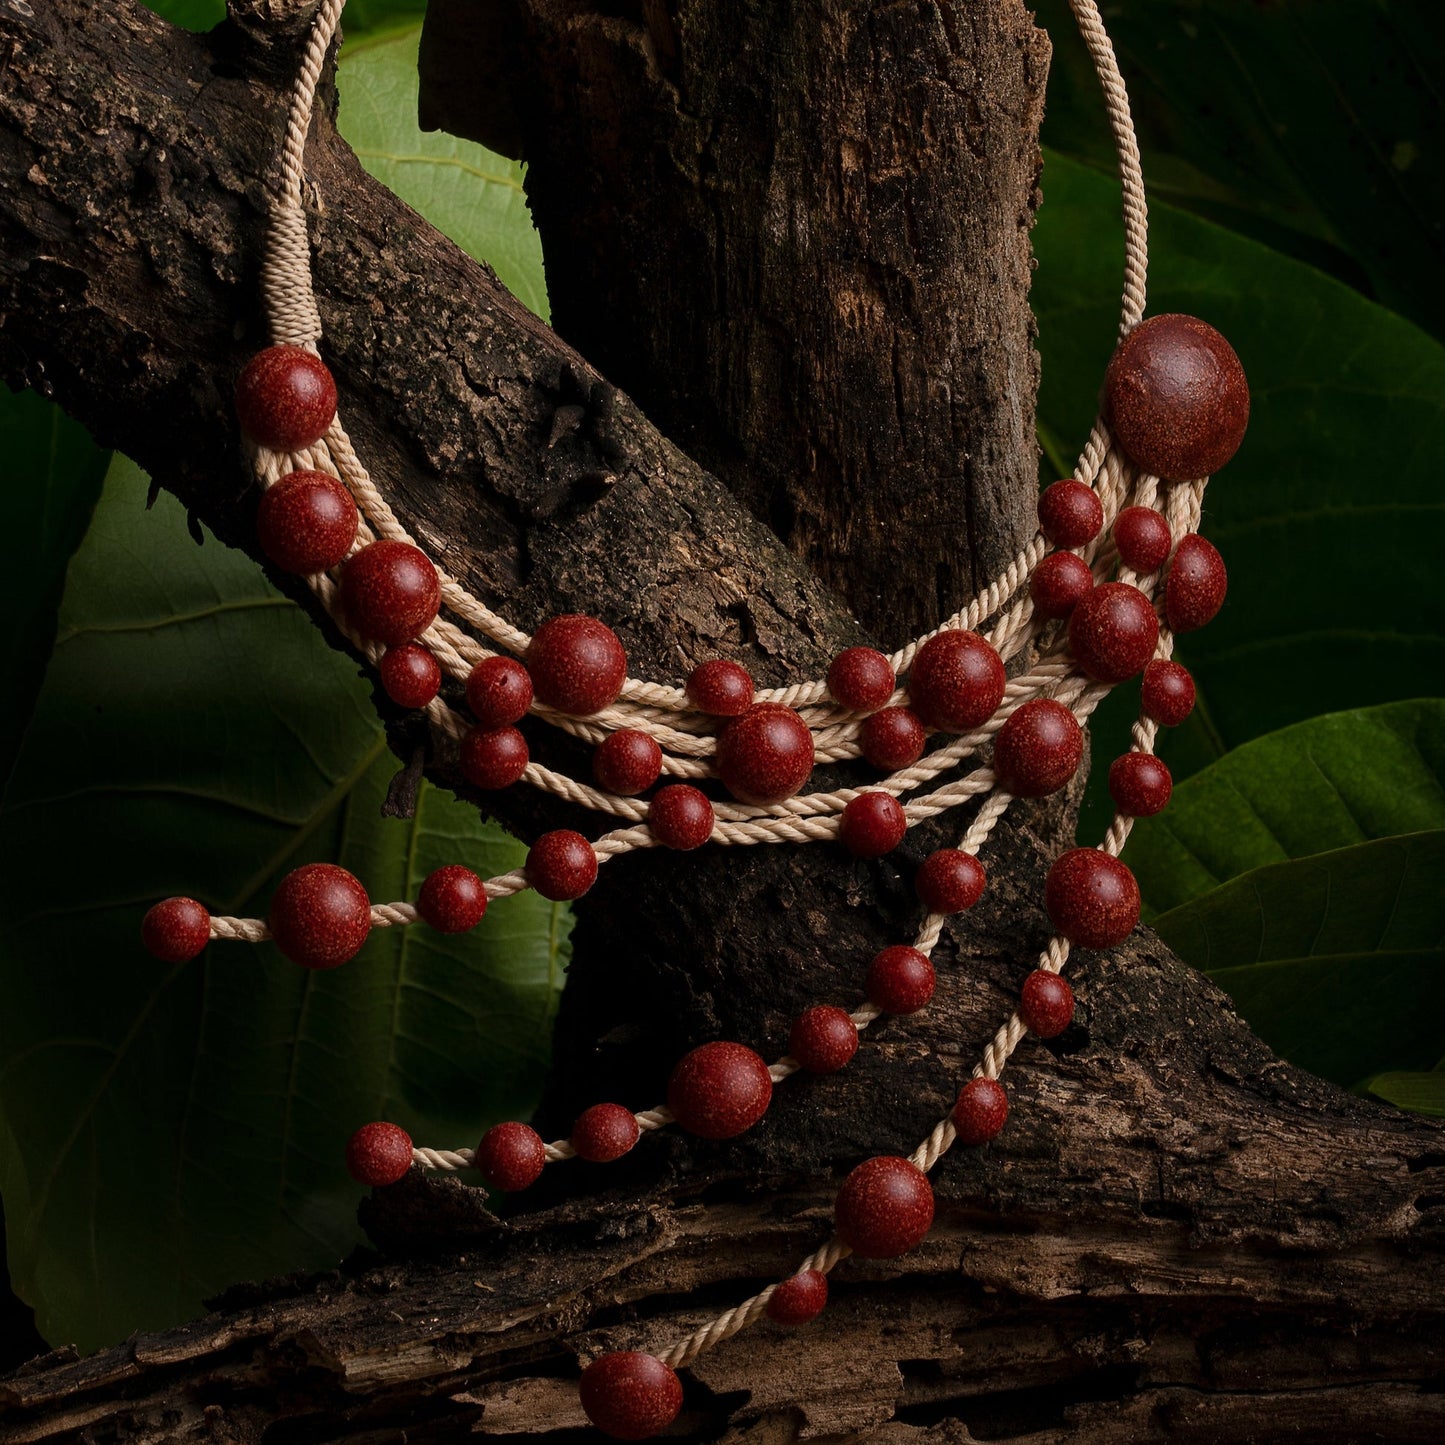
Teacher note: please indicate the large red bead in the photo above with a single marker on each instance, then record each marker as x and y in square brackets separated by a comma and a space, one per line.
[892, 738]
[1046, 1004]
[499, 691]
[577, 664]
[410, 675]
[320, 916]
[511, 1156]
[627, 762]
[956, 681]
[378, 1154]
[981, 1111]
[720, 687]
[798, 1299]
[1060, 582]
[1143, 538]
[390, 592]
[872, 824]
[1195, 588]
[493, 758]
[629, 1395]
[175, 930]
[1139, 784]
[823, 1039]
[1113, 632]
[765, 755]
[452, 899]
[1091, 898]
[719, 1090]
[1070, 513]
[604, 1132]
[561, 865]
[861, 678]
[949, 880]
[306, 523]
[1038, 749]
[1167, 693]
[285, 398]
[884, 1208]
[681, 817]
[900, 980]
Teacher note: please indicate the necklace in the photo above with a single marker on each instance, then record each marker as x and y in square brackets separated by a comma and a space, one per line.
[1079, 608]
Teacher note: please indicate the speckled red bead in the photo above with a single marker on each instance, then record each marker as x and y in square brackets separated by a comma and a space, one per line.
[499, 691]
[390, 591]
[900, 980]
[1139, 784]
[884, 1208]
[956, 681]
[1060, 582]
[175, 930]
[720, 687]
[823, 1039]
[1046, 1004]
[1091, 898]
[629, 1395]
[320, 916]
[949, 880]
[1167, 693]
[892, 738]
[719, 1090]
[453, 899]
[627, 762]
[798, 1299]
[1194, 590]
[1143, 538]
[510, 1156]
[1038, 749]
[604, 1132]
[765, 755]
[577, 664]
[1069, 513]
[410, 675]
[306, 523]
[561, 865]
[981, 1111]
[861, 678]
[285, 398]
[1113, 632]
[872, 824]
[378, 1154]
[493, 758]
[681, 817]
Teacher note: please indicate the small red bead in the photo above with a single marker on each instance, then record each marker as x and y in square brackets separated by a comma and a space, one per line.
[378, 1154]
[681, 817]
[892, 739]
[493, 758]
[980, 1112]
[604, 1132]
[510, 1156]
[499, 691]
[884, 1208]
[452, 899]
[390, 592]
[823, 1039]
[719, 1090]
[720, 687]
[872, 824]
[765, 755]
[1046, 1004]
[1069, 513]
[1038, 749]
[577, 664]
[1143, 538]
[176, 929]
[1091, 898]
[1167, 693]
[306, 523]
[627, 762]
[561, 865]
[1197, 582]
[629, 1395]
[285, 398]
[956, 681]
[861, 679]
[949, 881]
[1060, 582]
[1113, 632]
[1139, 784]
[410, 675]
[900, 980]
[799, 1299]
[320, 916]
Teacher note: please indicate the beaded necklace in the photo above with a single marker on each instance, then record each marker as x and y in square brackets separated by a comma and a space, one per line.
[1094, 599]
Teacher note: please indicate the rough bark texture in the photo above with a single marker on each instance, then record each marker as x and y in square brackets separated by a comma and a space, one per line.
[1177, 1236]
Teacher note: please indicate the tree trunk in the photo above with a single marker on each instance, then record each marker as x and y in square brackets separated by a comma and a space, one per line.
[1177, 1235]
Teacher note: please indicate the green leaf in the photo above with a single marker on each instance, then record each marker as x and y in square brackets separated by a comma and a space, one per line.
[170, 1130]
[359, 17]
[1420, 1093]
[1337, 961]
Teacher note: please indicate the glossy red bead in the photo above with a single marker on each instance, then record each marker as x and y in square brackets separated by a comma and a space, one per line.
[493, 758]
[499, 691]
[175, 930]
[1113, 632]
[719, 1090]
[1046, 1004]
[872, 824]
[320, 916]
[720, 687]
[285, 398]
[956, 681]
[629, 1395]
[765, 755]
[981, 1111]
[577, 664]
[1060, 582]
[604, 1132]
[453, 899]
[1139, 784]
[390, 592]
[627, 762]
[1143, 538]
[306, 523]
[823, 1039]
[510, 1156]
[1070, 513]
[1038, 749]
[681, 817]
[949, 880]
[1176, 397]
[1194, 590]
[798, 1299]
[1167, 693]
[410, 675]
[378, 1154]
[861, 678]
[900, 980]
[1091, 898]
[561, 865]
[884, 1208]
[892, 739]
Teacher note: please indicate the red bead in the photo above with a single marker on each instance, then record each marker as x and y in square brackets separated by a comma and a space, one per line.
[452, 899]
[1143, 538]
[1069, 513]
[719, 1090]
[1060, 582]
[629, 1395]
[577, 664]
[390, 592]
[285, 398]
[1092, 899]
[511, 1156]
[956, 681]
[410, 675]
[493, 758]
[1176, 397]
[823, 1039]
[900, 980]
[1038, 749]
[176, 929]
[1168, 693]
[306, 523]
[765, 755]
[980, 1112]
[872, 824]
[1046, 1004]
[681, 817]
[892, 739]
[861, 679]
[1139, 784]
[604, 1132]
[1113, 632]
[320, 916]
[378, 1154]
[499, 691]
[561, 865]
[1197, 582]
[720, 687]
[884, 1208]
[799, 1299]
[627, 762]
[949, 881]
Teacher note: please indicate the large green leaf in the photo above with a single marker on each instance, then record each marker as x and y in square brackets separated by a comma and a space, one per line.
[1421, 1093]
[170, 1130]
